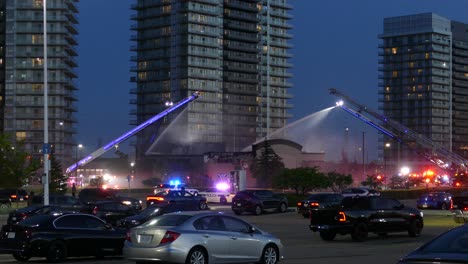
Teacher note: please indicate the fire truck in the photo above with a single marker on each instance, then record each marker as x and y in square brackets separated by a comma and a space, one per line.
[454, 164]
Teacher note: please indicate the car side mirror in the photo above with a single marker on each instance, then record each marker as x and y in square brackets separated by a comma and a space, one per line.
[251, 229]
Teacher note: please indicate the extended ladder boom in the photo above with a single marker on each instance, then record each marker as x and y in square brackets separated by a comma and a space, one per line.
[132, 132]
[439, 155]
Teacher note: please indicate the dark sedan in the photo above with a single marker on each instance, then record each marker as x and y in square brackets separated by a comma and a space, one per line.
[112, 211]
[188, 200]
[148, 213]
[318, 201]
[58, 236]
[20, 214]
[449, 247]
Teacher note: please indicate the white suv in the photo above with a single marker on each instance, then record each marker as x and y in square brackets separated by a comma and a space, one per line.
[359, 191]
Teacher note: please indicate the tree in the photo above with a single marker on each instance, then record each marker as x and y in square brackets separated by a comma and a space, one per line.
[338, 181]
[266, 166]
[371, 181]
[16, 165]
[58, 180]
[302, 180]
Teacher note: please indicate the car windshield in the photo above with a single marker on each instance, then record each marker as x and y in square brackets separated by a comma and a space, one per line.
[168, 220]
[454, 241]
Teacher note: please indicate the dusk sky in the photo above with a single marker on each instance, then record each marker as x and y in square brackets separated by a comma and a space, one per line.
[335, 45]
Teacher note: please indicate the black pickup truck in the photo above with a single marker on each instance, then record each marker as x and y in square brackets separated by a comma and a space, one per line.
[360, 215]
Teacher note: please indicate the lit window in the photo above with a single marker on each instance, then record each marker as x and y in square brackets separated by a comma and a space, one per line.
[20, 135]
[394, 50]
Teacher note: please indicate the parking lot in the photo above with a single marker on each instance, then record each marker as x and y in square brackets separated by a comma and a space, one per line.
[304, 246]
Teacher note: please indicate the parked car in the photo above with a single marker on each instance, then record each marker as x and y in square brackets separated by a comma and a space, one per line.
[187, 199]
[58, 236]
[214, 195]
[129, 201]
[435, 200]
[362, 215]
[112, 211]
[448, 247]
[63, 202]
[16, 195]
[319, 201]
[20, 214]
[359, 191]
[258, 201]
[148, 213]
[91, 195]
[201, 237]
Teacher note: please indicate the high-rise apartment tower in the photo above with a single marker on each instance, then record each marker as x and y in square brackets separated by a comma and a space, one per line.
[234, 52]
[22, 74]
[424, 82]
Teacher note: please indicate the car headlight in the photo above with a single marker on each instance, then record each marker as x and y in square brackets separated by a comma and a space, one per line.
[140, 201]
[135, 222]
[127, 202]
[421, 214]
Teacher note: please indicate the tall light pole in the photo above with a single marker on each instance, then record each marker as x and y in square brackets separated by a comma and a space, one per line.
[78, 147]
[46, 147]
[387, 145]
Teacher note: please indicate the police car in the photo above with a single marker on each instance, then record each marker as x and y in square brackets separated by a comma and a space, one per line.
[214, 195]
[165, 187]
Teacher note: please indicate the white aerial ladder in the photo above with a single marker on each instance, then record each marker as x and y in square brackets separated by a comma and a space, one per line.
[132, 132]
[433, 151]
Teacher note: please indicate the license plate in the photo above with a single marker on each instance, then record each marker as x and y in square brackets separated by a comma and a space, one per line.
[11, 235]
[239, 204]
[145, 239]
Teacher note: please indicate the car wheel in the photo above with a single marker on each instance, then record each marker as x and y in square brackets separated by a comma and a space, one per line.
[202, 205]
[196, 256]
[283, 208]
[415, 228]
[21, 256]
[269, 255]
[360, 232]
[327, 235]
[222, 200]
[258, 210]
[57, 252]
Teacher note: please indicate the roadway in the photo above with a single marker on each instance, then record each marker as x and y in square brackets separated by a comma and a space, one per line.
[303, 246]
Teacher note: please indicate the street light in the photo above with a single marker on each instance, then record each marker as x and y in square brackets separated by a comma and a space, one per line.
[78, 147]
[387, 145]
[129, 177]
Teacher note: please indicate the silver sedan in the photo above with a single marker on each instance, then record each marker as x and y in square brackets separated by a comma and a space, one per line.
[200, 238]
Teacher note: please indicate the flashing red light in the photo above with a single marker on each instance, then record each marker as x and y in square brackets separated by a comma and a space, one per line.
[314, 204]
[457, 184]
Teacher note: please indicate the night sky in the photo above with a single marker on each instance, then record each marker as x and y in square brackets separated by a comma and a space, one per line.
[335, 45]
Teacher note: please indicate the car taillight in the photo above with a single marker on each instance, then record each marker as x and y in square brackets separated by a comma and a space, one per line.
[169, 237]
[95, 210]
[299, 204]
[13, 196]
[451, 204]
[314, 204]
[341, 216]
[155, 199]
[128, 237]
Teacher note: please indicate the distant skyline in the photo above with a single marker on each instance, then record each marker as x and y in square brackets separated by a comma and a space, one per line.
[335, 45]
